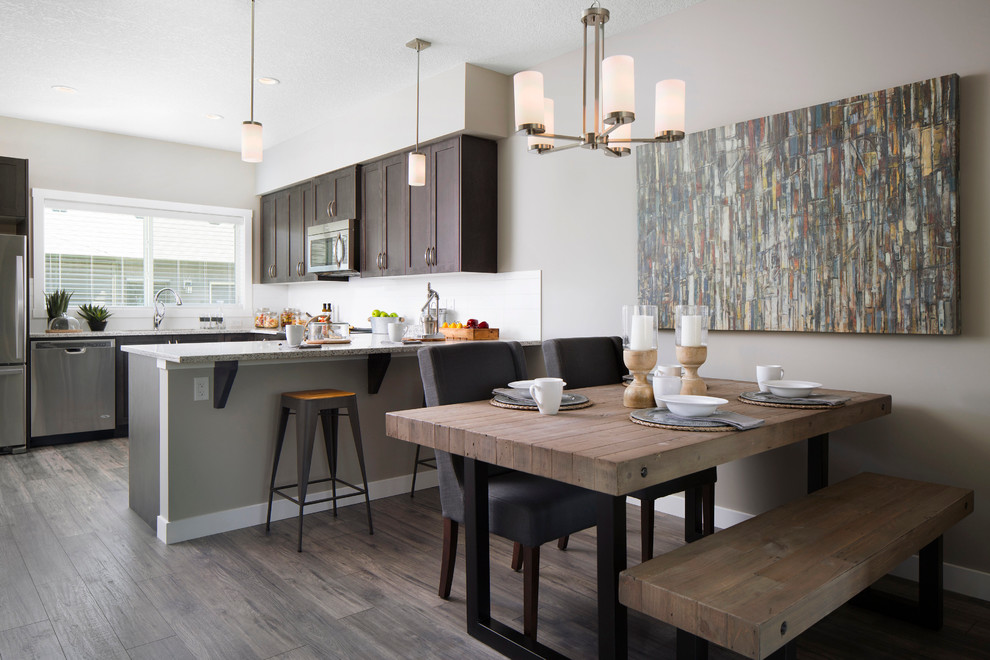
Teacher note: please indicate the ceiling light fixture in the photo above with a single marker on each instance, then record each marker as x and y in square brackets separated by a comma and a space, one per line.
[614, 98]
[265, 80]
[213, 116]
[251, 142]
[65, 89]
[417, 160]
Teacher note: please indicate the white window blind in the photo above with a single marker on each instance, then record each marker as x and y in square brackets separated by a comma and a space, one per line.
[119, 257]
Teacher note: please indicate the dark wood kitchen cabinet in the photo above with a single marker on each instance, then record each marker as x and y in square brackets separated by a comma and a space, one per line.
[13, 189]
[302, 210]
[453, 219]
[384, 214]
[336, 195]
[275, 237]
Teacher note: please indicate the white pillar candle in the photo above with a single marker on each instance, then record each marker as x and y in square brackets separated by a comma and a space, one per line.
[691, 331]
[641, 333]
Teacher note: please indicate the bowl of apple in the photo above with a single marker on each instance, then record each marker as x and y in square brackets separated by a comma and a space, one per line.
[380, 321]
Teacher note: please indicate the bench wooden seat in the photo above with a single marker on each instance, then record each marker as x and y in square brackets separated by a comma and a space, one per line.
[756, 586]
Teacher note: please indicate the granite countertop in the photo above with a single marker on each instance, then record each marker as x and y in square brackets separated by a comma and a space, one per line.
[88, 334]
[260, 351]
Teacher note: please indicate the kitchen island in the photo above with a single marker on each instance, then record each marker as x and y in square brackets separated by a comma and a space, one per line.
[198, 467]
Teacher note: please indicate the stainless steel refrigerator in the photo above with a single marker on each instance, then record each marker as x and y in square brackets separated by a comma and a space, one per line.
[13, 343]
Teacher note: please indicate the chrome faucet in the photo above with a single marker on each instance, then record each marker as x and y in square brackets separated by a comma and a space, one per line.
[160, 306]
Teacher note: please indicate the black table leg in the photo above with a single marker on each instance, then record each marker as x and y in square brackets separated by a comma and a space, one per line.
[476, 550]
[817, 462]
[480, 625]
[612, 615]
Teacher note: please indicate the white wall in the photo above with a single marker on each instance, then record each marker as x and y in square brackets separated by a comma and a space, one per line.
[465, 99]
[79, 160]
[573, 215]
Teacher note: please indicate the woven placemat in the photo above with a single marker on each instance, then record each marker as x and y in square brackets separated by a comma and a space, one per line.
[703, 425]
[513, 406]
[674, 427]
[750, 397]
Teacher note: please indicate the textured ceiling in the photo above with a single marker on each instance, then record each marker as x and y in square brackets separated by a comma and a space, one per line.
[155, 69]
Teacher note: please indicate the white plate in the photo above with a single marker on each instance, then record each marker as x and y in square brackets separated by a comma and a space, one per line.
[691, 405]
[523, 384]
[791, 388]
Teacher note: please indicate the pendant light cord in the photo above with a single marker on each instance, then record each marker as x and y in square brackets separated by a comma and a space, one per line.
[252, 61]
[418, 51]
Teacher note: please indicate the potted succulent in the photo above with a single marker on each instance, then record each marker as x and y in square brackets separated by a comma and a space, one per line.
[56, 304]
[95, 315]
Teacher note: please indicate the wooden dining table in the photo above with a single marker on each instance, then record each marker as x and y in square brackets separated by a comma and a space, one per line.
[601, 449]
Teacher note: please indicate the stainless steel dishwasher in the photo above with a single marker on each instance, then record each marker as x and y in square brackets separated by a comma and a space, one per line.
[72, 386]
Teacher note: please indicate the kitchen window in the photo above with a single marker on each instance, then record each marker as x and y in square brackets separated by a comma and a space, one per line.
[118, 252]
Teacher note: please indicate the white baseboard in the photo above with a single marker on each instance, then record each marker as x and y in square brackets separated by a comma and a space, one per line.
[959, 579]
[176, 531]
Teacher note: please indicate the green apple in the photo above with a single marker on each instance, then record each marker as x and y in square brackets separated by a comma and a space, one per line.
[394, 315]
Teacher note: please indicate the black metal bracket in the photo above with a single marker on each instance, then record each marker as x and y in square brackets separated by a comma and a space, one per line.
[377, 366]
[927, 611]
[817, 462]
[224, 372]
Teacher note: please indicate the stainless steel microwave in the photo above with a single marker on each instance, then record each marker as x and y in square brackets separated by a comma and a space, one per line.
[332, 248]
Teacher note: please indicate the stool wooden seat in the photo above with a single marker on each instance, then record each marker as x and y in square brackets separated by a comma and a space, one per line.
[308, 406]
[757, 585]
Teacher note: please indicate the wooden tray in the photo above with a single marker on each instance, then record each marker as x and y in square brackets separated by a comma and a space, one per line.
[469, 334]
[63, 332]
[314, 342]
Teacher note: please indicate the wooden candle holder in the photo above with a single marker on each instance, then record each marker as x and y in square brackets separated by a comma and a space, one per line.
[639, 394]
[691, 358]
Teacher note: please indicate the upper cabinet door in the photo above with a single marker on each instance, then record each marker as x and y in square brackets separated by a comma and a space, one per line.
[372, 218]
[301, 207]
[325, 191]
[267, 239]
[346, 193]
[282, 207]
[396, 214]
[445, 158]
[419, 235]
[13, 188]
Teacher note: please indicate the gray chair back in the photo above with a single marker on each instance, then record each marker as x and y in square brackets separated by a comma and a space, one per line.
[458, 373]
[585, 361]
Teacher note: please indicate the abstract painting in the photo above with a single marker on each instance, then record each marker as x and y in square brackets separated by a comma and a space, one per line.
[839, 217]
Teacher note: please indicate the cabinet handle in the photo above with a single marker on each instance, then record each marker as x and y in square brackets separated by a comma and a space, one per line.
[378, 262]
[329, 204]
[333, 208]
[384, 260]
[426, 256]
[300, 270]
[271, 271]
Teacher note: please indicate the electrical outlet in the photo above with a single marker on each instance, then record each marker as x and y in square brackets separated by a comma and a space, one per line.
[201, 388]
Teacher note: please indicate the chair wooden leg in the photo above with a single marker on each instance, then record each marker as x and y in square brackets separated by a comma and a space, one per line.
[517, 557]
[562, 542]
[449, 556]
[646, 518]
[531, 589]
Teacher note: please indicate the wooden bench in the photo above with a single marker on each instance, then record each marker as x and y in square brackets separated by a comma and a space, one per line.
[756, 586]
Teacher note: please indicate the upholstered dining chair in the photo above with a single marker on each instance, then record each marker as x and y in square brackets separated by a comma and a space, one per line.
[591, 361]
[523, 508]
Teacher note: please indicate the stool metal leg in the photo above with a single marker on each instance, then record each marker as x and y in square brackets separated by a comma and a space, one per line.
[283, 421]
[328, 419]
[305, 438]
[352, 414]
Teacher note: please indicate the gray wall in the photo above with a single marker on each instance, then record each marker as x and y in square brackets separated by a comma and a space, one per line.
[573, 215]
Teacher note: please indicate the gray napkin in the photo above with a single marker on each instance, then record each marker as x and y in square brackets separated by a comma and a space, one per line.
[515, 394]
[741, 422]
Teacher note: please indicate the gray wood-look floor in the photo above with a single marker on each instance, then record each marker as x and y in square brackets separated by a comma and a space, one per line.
[82, 577]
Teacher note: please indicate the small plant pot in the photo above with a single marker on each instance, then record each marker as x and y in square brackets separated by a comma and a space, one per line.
[97, 326]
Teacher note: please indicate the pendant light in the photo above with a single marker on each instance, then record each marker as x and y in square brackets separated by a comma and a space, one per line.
[614, 102]
[251, 130]
[417, 160]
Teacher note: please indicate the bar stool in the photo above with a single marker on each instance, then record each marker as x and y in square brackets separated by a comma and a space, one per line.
[307, 406]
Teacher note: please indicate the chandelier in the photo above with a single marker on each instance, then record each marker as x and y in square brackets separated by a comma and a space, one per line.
[614, 102]
[251, 140]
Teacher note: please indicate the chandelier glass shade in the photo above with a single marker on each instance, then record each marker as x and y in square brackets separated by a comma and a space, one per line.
[613, 99]
[417, 160]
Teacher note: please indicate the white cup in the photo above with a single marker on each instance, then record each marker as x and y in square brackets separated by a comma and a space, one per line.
[765, 372]
[669, 370]
[663, 385]
[294, 334]
[547, 393]
[395, 331]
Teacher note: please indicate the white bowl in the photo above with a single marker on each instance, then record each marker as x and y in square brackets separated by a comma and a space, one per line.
[690, 405]
[791, 388]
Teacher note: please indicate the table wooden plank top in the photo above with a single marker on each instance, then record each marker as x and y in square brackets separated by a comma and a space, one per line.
[600, 448]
